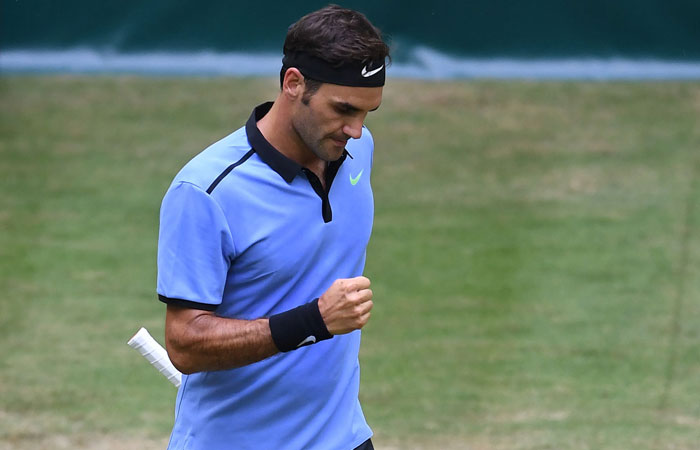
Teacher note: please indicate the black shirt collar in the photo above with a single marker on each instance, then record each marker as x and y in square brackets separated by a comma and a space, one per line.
[284, 166]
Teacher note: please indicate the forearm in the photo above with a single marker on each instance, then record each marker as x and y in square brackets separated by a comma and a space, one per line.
[200, 341]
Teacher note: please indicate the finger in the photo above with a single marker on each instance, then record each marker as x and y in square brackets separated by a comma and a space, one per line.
[364, 319]
[360, 296]
[358, 283]
[365, 308]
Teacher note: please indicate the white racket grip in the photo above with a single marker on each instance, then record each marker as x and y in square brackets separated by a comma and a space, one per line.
[150, 349]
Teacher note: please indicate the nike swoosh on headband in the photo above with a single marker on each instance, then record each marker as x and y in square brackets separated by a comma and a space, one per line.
[371, 72]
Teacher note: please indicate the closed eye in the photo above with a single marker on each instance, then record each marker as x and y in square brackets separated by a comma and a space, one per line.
[346, 109]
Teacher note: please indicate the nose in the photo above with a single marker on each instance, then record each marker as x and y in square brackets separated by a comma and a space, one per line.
[354, 128]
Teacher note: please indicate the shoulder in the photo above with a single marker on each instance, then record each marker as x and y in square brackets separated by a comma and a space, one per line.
[364, 144]
[208, 165]
[367, 138]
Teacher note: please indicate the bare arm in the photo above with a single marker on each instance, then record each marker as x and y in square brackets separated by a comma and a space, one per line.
[199, 340]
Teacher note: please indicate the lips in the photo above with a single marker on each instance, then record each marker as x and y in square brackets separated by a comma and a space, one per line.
[340, 142]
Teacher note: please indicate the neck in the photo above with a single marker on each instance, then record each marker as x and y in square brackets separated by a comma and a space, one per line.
[277, 128]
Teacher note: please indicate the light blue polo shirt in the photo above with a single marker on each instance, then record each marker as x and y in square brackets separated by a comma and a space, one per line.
[248, 233]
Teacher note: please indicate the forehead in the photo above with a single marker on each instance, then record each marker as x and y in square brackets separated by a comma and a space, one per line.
[363, 98]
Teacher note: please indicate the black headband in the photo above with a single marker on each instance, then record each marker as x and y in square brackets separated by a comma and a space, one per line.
[353, 73]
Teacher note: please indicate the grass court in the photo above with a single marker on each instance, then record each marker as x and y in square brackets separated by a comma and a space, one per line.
[535, 259]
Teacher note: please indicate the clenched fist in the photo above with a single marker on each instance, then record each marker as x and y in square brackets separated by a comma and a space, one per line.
[346, 305]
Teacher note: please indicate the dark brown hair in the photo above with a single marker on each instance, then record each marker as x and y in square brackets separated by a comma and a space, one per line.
[336, 35]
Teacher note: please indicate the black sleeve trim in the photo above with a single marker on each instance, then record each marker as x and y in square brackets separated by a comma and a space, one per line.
[187, 303]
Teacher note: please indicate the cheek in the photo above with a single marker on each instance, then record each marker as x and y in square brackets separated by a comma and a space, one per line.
[321, 126]
[318, 123]
[324, 117]
[331, 126]
[307, 128]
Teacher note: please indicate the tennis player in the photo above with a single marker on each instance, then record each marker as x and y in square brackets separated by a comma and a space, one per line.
[262, 249]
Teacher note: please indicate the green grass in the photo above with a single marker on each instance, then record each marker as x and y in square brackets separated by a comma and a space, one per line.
[535, 258]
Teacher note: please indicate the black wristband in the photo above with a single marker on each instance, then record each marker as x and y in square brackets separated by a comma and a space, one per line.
[298, 327]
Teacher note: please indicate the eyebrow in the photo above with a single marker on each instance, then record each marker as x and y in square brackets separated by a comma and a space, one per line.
[352, 108]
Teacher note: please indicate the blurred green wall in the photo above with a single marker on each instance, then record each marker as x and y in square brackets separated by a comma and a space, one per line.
[547, 28]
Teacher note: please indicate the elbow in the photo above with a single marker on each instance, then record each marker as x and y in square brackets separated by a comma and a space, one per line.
[182, 364]
[180, 355]
[184, 339]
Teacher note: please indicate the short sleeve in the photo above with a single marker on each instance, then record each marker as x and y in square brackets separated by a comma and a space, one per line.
[195, 248]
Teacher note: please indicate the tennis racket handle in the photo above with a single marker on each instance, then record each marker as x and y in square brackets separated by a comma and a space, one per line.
[150, 349]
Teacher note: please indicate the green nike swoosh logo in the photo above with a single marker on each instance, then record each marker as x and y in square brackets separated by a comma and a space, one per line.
[354, 181]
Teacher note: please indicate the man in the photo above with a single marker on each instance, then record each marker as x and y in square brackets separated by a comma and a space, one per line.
[261, 253]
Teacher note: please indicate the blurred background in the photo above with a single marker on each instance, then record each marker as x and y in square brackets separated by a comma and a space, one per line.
[535, 255]
[442, 39]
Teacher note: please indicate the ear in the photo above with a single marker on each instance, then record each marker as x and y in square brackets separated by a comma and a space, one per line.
[293, 83]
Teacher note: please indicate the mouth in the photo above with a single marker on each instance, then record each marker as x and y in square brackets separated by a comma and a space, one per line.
[339, 142]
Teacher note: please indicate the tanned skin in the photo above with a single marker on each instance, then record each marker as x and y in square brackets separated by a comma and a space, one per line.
[312, 134]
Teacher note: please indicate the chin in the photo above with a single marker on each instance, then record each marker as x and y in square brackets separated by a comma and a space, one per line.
[330, 154]
[336, 154]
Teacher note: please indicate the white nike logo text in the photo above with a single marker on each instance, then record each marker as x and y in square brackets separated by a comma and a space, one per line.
[371, 72]
[308, 340]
